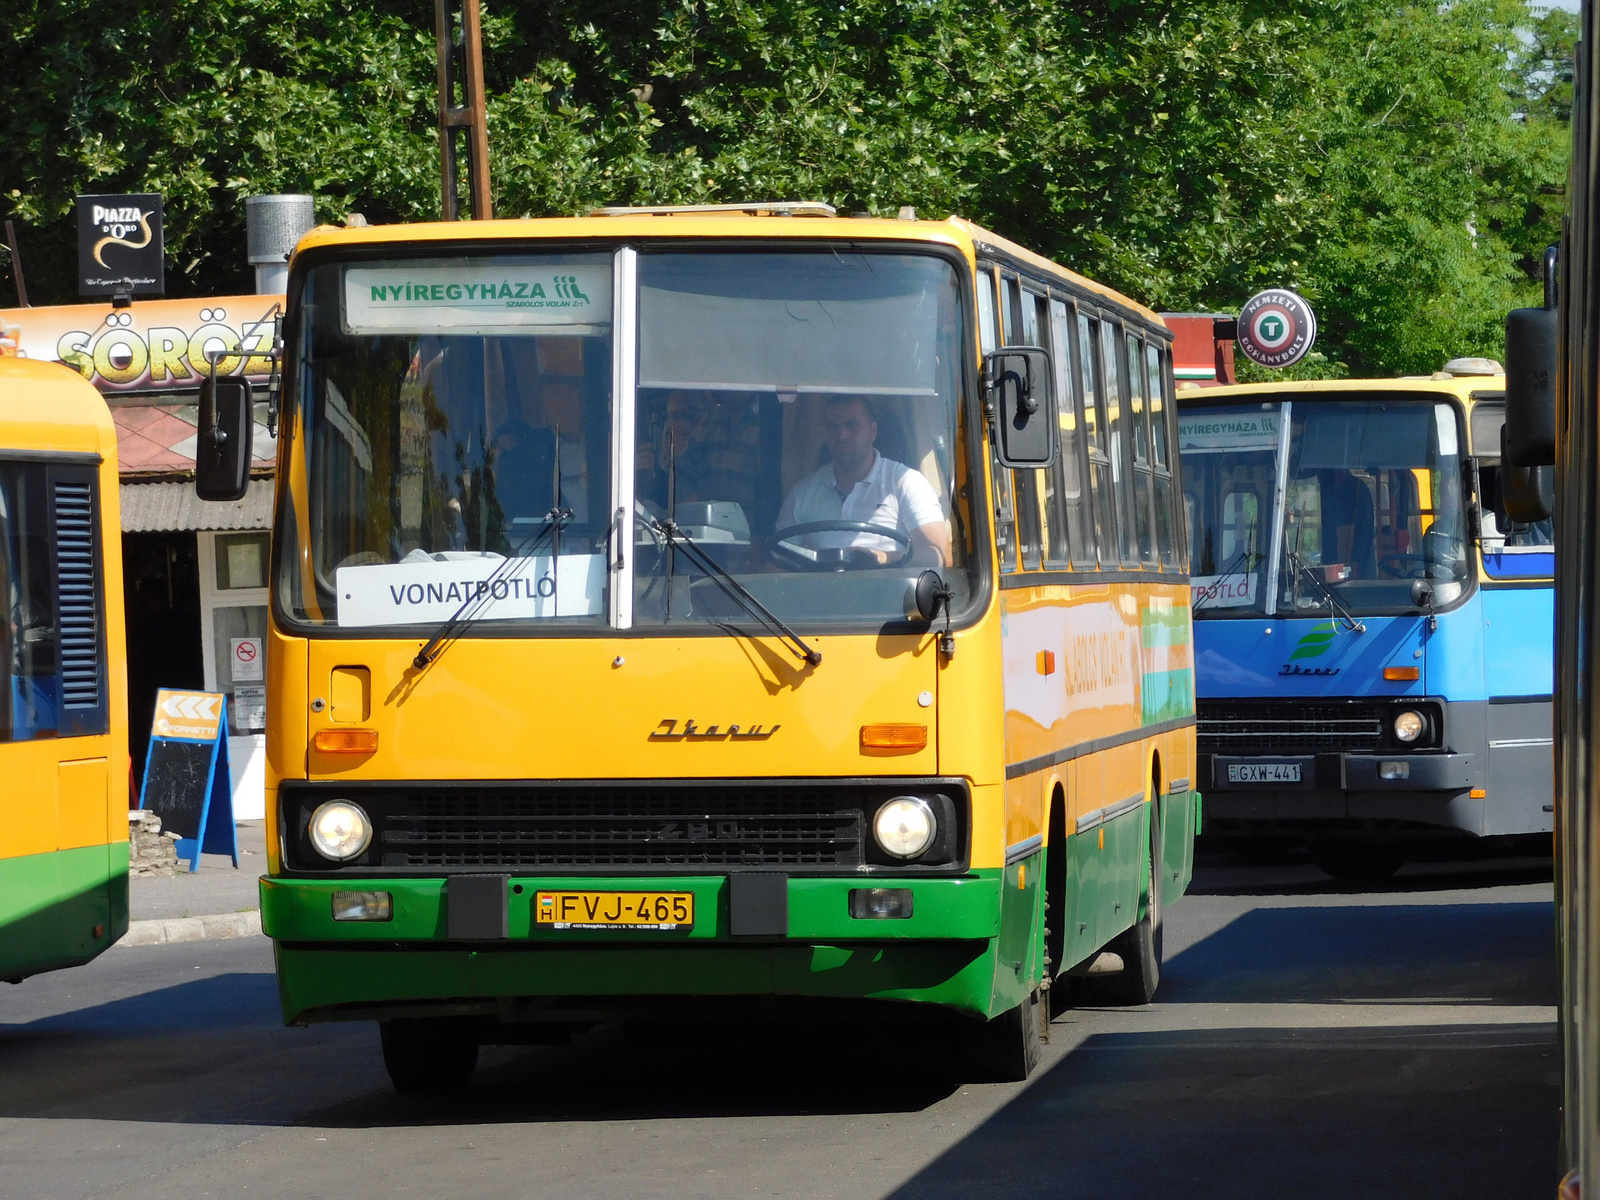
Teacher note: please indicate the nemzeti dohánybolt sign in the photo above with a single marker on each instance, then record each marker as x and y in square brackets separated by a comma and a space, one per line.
[1276, 328]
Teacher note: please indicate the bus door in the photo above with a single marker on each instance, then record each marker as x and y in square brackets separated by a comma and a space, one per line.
[1518, 598]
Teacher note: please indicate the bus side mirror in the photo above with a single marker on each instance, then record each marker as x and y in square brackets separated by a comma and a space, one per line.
[1530, 429]
[222, 447]
[1023, 404]
[1527, 494]
[930, 596]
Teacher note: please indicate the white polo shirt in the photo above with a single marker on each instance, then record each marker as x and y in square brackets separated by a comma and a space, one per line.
[892, 495]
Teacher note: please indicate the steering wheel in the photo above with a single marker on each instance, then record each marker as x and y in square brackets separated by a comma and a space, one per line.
[1413, 566]
[839, 558]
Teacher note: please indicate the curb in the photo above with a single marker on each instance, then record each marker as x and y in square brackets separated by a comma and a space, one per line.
[215, 927]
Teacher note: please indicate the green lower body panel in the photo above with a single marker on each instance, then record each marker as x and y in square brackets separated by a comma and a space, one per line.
[62, 908]
[944, 953]
[1181, 821]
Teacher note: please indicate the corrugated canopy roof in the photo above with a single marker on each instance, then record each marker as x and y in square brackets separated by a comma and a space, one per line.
[172, 504]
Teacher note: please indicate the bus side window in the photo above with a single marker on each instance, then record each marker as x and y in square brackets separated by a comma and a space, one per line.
[988, 326]
[1092, 376]
[1116, 389]
[1072, 536]
[1015, 331]
[1166, 517]
[1005, 523]
[1032, 487]
[1139, 427]
[1029, 486]
[33, 701]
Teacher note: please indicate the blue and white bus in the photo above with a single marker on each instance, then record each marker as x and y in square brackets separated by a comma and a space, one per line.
[1373, 635]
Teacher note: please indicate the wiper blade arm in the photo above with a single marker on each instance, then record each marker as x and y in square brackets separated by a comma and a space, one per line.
[1215, 590]
[792, 641]
[1344, 614]
[484, 592]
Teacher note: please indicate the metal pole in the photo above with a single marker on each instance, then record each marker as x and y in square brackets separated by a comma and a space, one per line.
[16, 265]
[470, 115]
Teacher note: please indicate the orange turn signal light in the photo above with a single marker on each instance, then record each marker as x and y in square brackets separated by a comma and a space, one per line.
[345, 741]
[1401, 674]
[1046, 662]
[894, 737]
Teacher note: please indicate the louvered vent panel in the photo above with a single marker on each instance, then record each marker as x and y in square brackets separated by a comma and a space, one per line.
[80, 621]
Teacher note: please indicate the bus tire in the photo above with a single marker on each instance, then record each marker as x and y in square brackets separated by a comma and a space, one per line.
[429, 1057]
[1139, 947]
[1006, 1049]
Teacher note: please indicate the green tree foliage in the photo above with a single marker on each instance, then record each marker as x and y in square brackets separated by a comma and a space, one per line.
[1396, 162]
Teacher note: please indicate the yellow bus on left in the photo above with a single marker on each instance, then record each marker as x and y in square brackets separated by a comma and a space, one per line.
[63, 708]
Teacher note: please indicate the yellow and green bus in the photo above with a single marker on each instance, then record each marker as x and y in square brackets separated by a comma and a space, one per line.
[63, 716]
[718, 604]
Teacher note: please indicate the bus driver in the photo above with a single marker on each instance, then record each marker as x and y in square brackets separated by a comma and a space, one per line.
[859, 484]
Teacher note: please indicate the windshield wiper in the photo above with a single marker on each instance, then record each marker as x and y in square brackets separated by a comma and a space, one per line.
[669, 532]
[470, 607]
[1334, 603]
[557, 517]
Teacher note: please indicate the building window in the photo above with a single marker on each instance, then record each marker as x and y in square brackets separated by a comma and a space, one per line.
[233, 623]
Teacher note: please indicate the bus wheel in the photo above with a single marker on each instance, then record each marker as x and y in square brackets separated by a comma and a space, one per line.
[1359, 862]
[1139, 947]
[429, 1057]
[1006, 1049]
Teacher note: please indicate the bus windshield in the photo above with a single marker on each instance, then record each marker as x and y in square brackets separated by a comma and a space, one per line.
[795, 414]
[1371, 499]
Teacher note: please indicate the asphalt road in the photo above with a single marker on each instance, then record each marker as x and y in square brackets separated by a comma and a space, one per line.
[1309, 1040]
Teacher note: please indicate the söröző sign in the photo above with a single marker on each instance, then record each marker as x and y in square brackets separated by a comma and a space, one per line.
[1276, 328]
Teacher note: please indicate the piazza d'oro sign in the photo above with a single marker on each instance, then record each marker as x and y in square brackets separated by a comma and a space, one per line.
[1276, 328]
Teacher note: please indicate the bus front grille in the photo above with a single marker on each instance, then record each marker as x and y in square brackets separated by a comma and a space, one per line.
[622, 829]
[637, 827]
[1251, 727]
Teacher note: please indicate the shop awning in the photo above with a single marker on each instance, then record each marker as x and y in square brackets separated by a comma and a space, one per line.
[172, 505]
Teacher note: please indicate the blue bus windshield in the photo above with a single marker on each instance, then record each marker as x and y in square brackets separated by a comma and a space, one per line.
[1371, 498]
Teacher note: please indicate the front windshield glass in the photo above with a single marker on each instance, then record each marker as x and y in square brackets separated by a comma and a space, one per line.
[797, 415]
[457, 414]
[1373, 500]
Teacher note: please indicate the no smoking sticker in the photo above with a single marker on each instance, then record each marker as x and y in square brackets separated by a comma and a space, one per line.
[248, 660]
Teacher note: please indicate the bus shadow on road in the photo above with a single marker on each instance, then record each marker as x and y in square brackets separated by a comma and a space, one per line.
[212, 1051]
[1222, 875]
[1494, 954]
[684, 1069]
[1231, 1114]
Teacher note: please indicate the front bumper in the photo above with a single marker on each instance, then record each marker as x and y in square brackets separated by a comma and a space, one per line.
[327, 970]
[1346, 772]
[1348, 792]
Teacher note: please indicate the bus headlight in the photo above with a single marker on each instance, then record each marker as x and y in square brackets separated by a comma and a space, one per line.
[340, 830]
[1408, 726]
[905, 826]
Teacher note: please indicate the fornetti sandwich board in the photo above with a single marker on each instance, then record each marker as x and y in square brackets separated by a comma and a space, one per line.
[186, 774]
